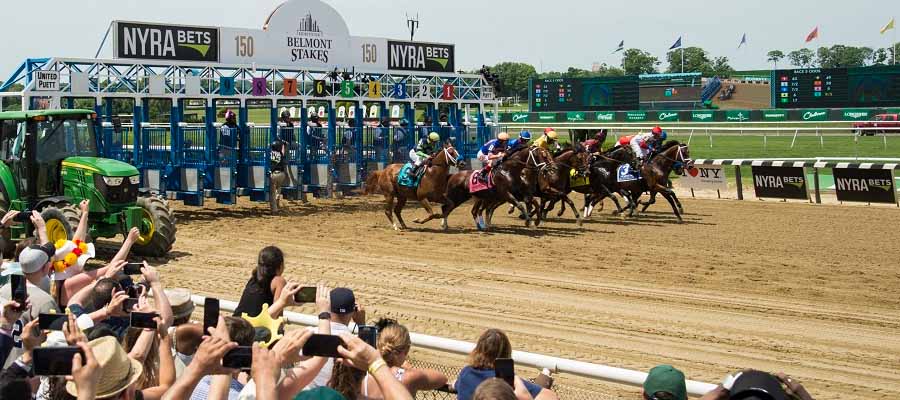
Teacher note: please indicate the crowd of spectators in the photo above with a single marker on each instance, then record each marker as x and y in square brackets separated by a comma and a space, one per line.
[174, 358]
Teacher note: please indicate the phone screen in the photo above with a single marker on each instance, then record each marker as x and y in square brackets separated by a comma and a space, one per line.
[322, 346]
[52, 322]
[210, 314]
[143, 320]
[23, 216]
[55, 361]
[19, 289]
[505, 368]
[238, 358]
[305, 295]
[133, 268]
[369, 334]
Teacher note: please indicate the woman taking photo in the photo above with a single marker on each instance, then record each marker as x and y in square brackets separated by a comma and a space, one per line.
[265, 284]
[394, 345]
[492, 344]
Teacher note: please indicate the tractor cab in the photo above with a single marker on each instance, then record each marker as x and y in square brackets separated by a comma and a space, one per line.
[49, 162]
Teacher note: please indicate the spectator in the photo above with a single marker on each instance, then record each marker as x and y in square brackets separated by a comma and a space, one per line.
[665, 382]
[492, 344]
[265, 283]
[497, 389]
[34, 264]
[758, 385]
[108, 372]
[346, 381]
[75, 283]
[238, 331]
[394, 344]
[343, 310]
[14, 384]
[144, 345]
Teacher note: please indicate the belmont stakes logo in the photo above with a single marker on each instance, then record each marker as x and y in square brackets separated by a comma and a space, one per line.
[813, 114]
[309, 44]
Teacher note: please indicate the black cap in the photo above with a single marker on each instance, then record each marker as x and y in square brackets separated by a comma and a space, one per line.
[753, 385]
[342, 301]
[47, 248]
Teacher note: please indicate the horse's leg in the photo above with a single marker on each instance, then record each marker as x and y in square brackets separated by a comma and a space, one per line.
[541, 212]
[677, 202]
[562, 210]
[446, 208]
[649, 202]
[567, 200]
[668, 196]
[389, 209]
[614, 199]
[427, 206]
[398, 209]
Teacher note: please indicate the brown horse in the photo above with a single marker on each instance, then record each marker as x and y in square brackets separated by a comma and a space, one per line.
[655, 177]
[515, 181]
[432, 187]
[554, 180]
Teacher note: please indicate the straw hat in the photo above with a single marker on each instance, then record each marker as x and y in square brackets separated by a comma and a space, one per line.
[117, 370]
[182, 306]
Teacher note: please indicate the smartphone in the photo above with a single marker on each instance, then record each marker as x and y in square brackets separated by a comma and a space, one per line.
[368, 334]
[143, 320]
[240, 357]
[210, 314]
[19, 289]
[129, 304]
[52, 322]
[23, 217]
[505, 368]
[133, 268]
[323, 346]
[306, 294]
[55, 361]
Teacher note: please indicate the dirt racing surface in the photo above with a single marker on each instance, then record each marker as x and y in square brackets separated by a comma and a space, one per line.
[809, 290]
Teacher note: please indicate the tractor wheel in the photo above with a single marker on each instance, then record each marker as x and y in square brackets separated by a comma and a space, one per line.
[61, 222]
[157, 228]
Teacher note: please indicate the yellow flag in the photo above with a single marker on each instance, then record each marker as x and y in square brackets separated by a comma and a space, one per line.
[889, 26]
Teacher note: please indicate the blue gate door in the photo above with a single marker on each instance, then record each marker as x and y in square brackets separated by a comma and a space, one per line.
[155, 157]
[348, 156]
[253, 175]
[192, 160]
[315, 157]
[118, 145]
[294, 143]
[221, 177]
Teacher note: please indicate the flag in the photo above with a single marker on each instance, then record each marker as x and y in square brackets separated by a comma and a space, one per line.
[889, 26]
[677, 44]
[813, 35]
[743, 40]
[621, 47]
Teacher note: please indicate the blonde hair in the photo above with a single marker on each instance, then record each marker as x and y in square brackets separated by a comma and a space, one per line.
[393, 342]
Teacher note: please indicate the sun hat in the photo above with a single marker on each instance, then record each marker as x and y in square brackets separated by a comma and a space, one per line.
[117, 370]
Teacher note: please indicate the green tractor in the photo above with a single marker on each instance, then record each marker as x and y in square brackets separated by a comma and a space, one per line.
[49, 162]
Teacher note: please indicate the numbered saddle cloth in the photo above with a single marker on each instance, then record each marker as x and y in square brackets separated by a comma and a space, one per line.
[627, 174]
[476, 184]
[576, 180]
[404, 177]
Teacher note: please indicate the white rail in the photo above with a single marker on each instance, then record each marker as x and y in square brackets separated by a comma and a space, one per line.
[588, 370]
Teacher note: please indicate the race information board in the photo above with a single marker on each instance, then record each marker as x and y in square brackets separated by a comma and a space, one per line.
[587, 94]
[811, 88]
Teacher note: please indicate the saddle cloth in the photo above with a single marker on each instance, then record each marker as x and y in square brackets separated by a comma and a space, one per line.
[404, 178]
[627, 174]
[476, 185]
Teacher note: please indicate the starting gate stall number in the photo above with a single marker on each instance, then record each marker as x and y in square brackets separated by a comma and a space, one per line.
[348, 89]
[290, 88]
[226, 86]
[259, 87]
[448, 92]
[319, 88]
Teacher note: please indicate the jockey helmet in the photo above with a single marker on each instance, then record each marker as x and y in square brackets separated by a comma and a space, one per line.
[657, 130]
[663, 135]
[230, 114]
[552, 135]
[548, 130]
[525, 135]
[433, 137]
[503, 136]
[285, 114]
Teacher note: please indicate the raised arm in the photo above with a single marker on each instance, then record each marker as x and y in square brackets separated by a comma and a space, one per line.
[123, 252]
[425, 379]
[207, 361]
[364, 357]
[82, 230]
[40, 227]
[159, 294]
[284, 300]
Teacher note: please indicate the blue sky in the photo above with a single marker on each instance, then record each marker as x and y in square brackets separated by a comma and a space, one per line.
[554, 35]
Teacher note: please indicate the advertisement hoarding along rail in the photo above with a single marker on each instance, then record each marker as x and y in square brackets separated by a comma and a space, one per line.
[864, 185]
[780, 182]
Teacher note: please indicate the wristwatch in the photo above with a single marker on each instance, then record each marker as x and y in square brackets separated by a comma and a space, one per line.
[325, 315]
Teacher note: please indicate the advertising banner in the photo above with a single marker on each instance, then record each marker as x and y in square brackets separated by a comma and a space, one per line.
[864, 185]
[667, 116]
[814, 115]
[780, 182]
[165, 42]
[704, 177]
[774, 115]
[46, 81]
[737, 115]
[856, 115]
[575, 117]
[422, 57]
[702, 116]
[605, 116]
[519, 117]
[635, 116]
[547, 117]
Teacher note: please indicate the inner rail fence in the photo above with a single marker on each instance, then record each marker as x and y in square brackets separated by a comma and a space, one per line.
[578, 368]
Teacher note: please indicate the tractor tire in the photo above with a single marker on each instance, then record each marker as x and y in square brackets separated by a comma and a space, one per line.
[61, 222]
[163, 233]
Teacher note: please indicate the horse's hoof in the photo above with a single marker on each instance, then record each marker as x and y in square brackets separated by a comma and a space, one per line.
[417, 221]
[579, 222]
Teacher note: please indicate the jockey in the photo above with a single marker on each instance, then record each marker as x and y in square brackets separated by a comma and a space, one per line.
[493, 150]
[425, 148]
[593, 146]
[521, 141]
[547, 141]
[640, 144]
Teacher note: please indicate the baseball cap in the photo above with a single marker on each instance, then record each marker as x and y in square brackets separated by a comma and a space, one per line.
[342, 301]
[757, 385]
[665, 378]
[34, 257]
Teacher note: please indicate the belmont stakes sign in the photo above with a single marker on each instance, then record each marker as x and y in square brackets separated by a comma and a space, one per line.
[299, 33]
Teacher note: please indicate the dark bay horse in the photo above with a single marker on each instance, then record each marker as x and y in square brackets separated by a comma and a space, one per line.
[514, 179]
[602, 177]
[554, 180]
[655, 177]
[432, 187]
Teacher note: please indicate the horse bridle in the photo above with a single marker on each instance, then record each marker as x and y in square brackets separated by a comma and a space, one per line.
[533, 159]
[679, 157]
[447, 157]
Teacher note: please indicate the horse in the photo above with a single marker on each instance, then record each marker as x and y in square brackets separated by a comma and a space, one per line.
[432, 187]
[515, 181]
[655, 177]
[602, 176]
[555, 178]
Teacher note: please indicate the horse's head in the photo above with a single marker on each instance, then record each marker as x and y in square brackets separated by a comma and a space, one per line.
[450, 155]
[683, 159]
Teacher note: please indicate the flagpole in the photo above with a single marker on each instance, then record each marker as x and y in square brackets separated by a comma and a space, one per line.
[682, 53]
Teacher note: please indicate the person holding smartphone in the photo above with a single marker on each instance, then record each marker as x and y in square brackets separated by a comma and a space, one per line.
[265, 284]
[34, 264]
[493, 344]
[394, 344]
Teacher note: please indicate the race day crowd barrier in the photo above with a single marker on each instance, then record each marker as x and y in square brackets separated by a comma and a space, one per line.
[865, 182]
[773, 115]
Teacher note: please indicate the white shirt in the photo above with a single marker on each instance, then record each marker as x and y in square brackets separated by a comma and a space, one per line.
[324, 375]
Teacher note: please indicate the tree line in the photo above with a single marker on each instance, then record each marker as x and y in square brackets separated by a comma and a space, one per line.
[837, 56]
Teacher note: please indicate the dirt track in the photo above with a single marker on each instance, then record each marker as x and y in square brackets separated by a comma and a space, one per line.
[810, 290]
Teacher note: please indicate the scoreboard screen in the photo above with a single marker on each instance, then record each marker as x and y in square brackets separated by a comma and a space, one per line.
[811, 88]
[836, 87]
[586, 94]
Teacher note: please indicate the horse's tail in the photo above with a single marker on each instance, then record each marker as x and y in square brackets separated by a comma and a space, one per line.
[372, 186]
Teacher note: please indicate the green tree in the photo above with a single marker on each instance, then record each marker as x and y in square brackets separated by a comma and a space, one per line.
[514, 78]
[880, 57]
[637, 62]
[774, 57]
[608, 70]
[695, 60]
[720, 68]
[840, 56]
[803, 58]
